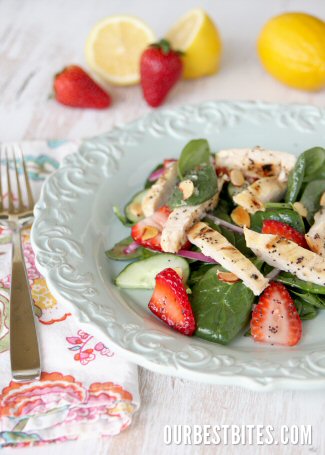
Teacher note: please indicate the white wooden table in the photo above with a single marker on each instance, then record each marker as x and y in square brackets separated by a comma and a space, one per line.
[37, 39]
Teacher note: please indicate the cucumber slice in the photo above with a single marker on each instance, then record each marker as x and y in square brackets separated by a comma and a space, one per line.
[141, 274]
[133, 209]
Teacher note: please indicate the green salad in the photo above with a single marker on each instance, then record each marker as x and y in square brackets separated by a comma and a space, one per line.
[231, 243]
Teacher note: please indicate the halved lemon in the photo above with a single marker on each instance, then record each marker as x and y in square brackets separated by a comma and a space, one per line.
[197, 36]
[114, 47]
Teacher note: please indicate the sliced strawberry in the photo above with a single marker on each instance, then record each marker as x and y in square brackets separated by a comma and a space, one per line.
[275, 319]
[170, 302]
[147, 232]
[284, 230]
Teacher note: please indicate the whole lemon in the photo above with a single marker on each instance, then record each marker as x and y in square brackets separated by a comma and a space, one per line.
[292, 49]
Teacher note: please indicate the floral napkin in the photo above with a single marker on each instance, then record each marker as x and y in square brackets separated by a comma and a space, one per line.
[86, 389]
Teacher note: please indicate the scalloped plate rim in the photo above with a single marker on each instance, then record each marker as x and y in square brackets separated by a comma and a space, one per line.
[209, 377]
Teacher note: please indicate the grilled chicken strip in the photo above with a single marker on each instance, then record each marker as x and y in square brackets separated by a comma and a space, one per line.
[216, 246]
[257, 162]
[182, 218]
[315, 237]
[263, 190]
[288, 256]
[161, 190]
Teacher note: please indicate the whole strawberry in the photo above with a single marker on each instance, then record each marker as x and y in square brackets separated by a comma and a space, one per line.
[160, 67]
[74, 87]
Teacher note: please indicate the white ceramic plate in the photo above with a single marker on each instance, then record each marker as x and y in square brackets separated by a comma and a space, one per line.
[74, 226]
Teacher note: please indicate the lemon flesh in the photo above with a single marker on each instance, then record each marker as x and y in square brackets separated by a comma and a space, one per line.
[114, 47]
[292, 49]
[197, 36]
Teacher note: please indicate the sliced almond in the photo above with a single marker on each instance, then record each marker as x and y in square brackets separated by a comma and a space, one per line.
[237, 177]
[187, 188]
[136, 209]
[227, 277]
[315, 246]
[241, 217]
[322, 200]
[300, 208]
[149, 232]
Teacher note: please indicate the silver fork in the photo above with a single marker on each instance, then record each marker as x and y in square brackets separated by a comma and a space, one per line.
[24, 350]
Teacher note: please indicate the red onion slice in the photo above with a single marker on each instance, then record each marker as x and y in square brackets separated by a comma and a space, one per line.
[195, 255]
[156, 174]
[131, 248]
[159, 172]
[224, 223]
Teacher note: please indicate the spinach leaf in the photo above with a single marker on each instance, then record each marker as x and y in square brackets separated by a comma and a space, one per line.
[309, 166]
[319, 175]
[266, 268]
[293, 281]
[305, 310]
[146, 253]
[295, 179]
[195, 153]
[257, 262]
[311, 198]
[117, 252]
[223, 209]
[205, 186]
[315, 160]
[278, 205]
[234, 238]
[221, 310]
[284, 215]
[198, 273]
[311, 299]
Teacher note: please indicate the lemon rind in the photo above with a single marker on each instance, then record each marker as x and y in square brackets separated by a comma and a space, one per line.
[201, 18]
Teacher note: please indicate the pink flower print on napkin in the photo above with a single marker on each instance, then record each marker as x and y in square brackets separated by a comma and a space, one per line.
[85, 355]
[100, 347]
[32, 271]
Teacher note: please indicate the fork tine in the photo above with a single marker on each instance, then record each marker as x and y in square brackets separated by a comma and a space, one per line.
[11, 208]
[28, 188]
[20, 198]
[1, 196]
